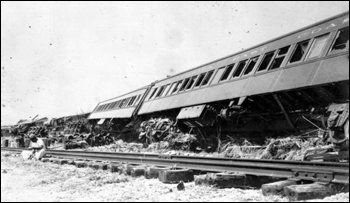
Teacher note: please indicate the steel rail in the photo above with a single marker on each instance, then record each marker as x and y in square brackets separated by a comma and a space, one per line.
[322, 171]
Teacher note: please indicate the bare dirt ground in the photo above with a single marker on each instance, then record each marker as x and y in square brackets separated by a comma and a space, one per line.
[33, 181]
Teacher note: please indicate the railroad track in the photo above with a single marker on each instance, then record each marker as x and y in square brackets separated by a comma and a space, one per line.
[322, 172]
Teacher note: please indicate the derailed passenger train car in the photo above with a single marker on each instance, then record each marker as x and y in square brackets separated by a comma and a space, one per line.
[290, 83]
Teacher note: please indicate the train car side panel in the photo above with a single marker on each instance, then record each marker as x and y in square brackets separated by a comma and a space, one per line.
[332, 70]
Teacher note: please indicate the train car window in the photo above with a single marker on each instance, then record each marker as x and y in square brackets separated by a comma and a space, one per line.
[218, 75]
[117, 104]
[121, 103]
[113, 105]
[191, 82]
[131, 100]
[317, 46]
[299, 51]
[239, 69]
[154, 91]
[342, 41]
[251, 65]
[227, 72]
[172, 88]
[161, 89]
[166, 89]
[126, 102]
[207, 78]
[200, 79]
[279, 58]
[177, 86]
[184, 84]
[136, 100]
[105, 107]
[99, 108]
[266, 61]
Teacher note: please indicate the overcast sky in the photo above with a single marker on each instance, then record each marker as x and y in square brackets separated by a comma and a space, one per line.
[62, 58]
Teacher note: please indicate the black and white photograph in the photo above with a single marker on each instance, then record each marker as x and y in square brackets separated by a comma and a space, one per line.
[174, 101]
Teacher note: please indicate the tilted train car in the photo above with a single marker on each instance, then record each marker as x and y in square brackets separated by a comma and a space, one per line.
[121, 107]
[288, 83]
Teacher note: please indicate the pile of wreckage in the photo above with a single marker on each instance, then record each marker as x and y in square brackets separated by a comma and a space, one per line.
[165, 129]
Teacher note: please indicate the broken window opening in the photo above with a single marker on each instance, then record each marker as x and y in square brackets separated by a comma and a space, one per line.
[227, 72]
[317, 46]
[251, 66]
[239, 69]
[200, 79]
[266, 61]
[342, 41]
[207, 78]
[299, 51]
[277, 62]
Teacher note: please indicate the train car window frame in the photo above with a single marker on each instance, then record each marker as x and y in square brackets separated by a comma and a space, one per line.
[332, 50]
[160, 91]
[153, 93]
[113, 104]
[191, 82]
[184, 84]
[228, 71]
[126, 102]
[199, 80]
[117, 104]
[105, 107]
[207, 79]
[251, 68]
[137, 99]
[239, 69]
[166, 89]
[99, 108]
[177, 87]
[218, 74]
[306, 50]
[279, 58]
[319, 48]
[173, 85]
[121, 103]
[266, 65]
[131, 100]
